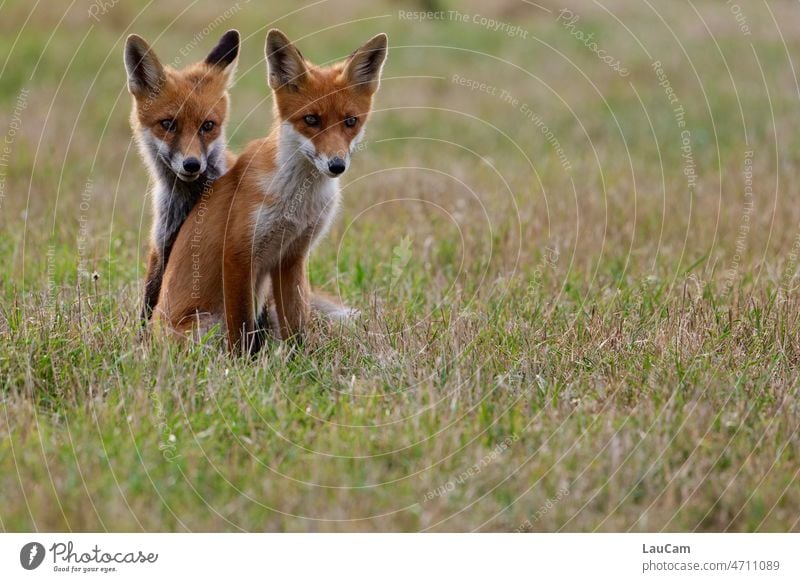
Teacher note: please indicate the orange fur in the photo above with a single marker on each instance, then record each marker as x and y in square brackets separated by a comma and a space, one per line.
[248, 230]
[187, 155]
[190, 96]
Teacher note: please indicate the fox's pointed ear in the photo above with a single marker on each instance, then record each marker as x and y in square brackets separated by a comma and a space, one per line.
[226, 53]
[145, 73]
[363, 68]
[285, 65]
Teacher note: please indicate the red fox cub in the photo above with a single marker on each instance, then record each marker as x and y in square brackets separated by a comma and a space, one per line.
[178, 119]
[263, 217]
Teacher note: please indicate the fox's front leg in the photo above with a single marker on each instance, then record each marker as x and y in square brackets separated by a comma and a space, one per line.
[291, 292]
[238, 295]
[152, 285]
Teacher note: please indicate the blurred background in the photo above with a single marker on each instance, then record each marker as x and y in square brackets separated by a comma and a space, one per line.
[618, 133]
[579, 223]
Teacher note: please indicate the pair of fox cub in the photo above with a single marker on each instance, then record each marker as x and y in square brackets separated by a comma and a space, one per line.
[231, 236]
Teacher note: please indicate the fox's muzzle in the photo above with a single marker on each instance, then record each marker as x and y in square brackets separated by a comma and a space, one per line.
[191, 165]
[336, 165]
[188, 168]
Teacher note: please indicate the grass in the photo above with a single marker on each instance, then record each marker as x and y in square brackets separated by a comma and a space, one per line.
[601, 348]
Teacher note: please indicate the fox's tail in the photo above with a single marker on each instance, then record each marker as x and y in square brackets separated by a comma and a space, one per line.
[330, 308]
[321, 303]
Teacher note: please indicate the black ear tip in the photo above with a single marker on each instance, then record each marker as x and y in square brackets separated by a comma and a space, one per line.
[275, 37]
[382, 43]
[135, 44]
[231, 37]
[378, 42]
[135, 52]
[227, 49]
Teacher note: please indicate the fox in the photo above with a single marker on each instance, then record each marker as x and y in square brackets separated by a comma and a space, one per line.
[178, 120]
[248, 245]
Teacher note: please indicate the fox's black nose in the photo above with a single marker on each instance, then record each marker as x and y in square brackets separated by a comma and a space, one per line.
[191, 165]
[336, 165]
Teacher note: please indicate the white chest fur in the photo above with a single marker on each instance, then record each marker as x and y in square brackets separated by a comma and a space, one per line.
[299, 200]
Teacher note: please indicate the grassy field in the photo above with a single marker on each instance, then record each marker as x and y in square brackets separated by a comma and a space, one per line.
[576, 257]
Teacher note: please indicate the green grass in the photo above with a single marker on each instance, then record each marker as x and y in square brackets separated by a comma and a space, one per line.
[632, 343]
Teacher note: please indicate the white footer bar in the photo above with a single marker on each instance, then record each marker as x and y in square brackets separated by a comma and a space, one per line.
[401, 557]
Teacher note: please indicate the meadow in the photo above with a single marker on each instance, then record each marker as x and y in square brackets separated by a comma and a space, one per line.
[572, 231]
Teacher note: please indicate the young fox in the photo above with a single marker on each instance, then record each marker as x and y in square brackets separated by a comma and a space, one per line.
[263, 217]
[178, 119]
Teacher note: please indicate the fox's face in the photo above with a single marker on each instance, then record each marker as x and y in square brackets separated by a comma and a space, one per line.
[180, 115]
[323, 110]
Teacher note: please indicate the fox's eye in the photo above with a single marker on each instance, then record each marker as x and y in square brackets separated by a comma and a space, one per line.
[350, 121]
[169, 125]
[207, 126]
[311, 120]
